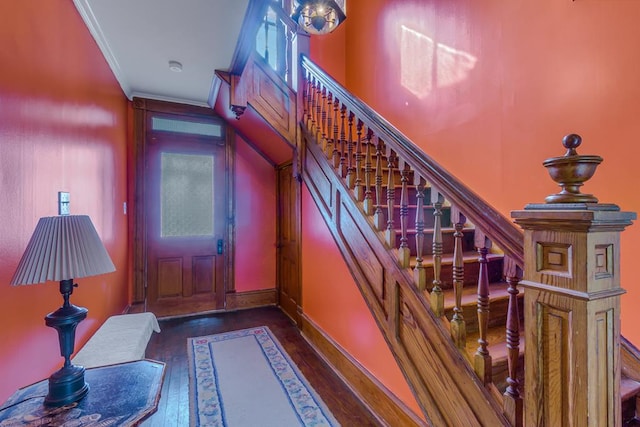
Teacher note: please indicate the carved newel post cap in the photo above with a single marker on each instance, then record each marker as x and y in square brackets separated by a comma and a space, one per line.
[571, 171]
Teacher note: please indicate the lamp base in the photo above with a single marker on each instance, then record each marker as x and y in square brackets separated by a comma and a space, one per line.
[66, 386]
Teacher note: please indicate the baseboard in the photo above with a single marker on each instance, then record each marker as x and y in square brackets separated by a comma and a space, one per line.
[374, 395]
[250, 299]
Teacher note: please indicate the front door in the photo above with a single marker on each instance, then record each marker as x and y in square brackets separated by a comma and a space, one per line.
[185, 216]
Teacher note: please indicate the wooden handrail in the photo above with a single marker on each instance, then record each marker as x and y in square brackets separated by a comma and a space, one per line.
[501, 230]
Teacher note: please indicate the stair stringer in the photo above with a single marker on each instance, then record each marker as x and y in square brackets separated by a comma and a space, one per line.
[443, 383]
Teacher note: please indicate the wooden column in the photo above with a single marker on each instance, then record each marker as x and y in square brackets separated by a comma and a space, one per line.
[572, 313]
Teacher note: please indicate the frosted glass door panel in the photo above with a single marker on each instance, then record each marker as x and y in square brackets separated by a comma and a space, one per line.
[186, 195]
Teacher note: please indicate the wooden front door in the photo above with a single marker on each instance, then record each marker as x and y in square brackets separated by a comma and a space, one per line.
[185, 217]
[288, 268]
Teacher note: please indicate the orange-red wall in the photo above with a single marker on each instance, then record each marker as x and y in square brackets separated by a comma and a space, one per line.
[62, 128]
[489, 88]
[255, 256]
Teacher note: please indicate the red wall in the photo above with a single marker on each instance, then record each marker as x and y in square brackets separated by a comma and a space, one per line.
[489, 88]
[255, 257]
[62, 128]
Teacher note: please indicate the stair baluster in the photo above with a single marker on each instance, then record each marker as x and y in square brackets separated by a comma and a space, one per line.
[404, 254]
[358, 189]
[419, 272]
[328, 148]
[351, 176]
[312, 106]
[437, 296]
[318, 112]
[368, 199]
[335, 155]
[513, 404]
[390, 233]
[343, 161]
[482, 358]
[323, 122]
[378, 216]
[458, 328]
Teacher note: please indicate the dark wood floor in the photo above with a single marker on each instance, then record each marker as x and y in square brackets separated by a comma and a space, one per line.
[170, 346]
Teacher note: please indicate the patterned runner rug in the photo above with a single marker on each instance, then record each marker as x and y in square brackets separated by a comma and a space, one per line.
[245, 378]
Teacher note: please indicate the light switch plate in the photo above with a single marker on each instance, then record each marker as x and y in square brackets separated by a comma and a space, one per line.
[63, 203]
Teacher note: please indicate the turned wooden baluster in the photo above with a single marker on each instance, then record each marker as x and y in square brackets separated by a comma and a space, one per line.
[358, 188]
[404, 254]
[390, 233]
[368, 198]
[312, 107]
[318, 112]
[378, 216]
[323, 120]
[328, 149]
[351, 173]
[437, 296]
[342, 170]
[482, 358]
[458, 328]
[419, 272]
[513, 408]
[335, 155]
[307, 99]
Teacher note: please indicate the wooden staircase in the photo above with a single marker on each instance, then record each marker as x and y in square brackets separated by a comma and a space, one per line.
[457, 259]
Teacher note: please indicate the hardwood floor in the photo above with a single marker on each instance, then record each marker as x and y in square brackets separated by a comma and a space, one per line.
[170, 346]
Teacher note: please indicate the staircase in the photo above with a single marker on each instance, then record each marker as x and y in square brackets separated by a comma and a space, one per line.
[454, 257]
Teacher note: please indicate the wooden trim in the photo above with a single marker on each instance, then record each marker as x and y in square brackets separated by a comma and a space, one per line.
[383, 404]
[250, 299]
[230, 177]
[501, 230]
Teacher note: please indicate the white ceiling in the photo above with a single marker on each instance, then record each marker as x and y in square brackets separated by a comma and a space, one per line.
[138, 38]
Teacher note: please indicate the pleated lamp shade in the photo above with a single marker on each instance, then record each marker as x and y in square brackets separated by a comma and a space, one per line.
[61, 248]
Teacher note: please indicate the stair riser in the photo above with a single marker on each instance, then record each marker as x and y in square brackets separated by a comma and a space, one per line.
[448, 241]
[428, 218]
[471, 272]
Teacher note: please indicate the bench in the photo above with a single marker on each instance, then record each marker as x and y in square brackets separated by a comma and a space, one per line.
[121, 338]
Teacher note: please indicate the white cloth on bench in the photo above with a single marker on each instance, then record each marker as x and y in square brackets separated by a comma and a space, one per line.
[121, 338]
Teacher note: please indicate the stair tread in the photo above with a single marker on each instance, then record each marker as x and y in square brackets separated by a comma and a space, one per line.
[497, 342]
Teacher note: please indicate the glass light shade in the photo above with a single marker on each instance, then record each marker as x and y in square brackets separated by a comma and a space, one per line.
[61, 248]
[319, 16]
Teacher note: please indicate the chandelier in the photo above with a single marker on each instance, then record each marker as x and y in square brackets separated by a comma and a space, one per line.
[319, 16]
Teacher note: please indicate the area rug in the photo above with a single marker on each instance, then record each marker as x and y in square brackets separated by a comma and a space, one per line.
[245, 378]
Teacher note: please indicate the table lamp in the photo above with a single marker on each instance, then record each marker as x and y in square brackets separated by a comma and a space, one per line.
[64, 248]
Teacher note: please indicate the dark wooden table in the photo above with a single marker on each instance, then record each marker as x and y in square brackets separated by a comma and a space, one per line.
[119, 395]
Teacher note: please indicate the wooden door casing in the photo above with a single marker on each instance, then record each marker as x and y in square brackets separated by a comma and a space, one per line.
[195, 269]
[288, 254]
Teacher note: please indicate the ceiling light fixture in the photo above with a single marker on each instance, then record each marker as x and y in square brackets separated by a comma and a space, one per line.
[319, 16]
[175, 66]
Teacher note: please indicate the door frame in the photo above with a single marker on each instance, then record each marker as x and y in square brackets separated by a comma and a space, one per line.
[295, 188]
[142, 109]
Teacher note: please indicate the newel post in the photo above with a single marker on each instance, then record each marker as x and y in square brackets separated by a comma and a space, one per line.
[572, 300]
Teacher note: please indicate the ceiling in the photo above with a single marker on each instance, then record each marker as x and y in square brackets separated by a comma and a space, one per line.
[138, 38]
